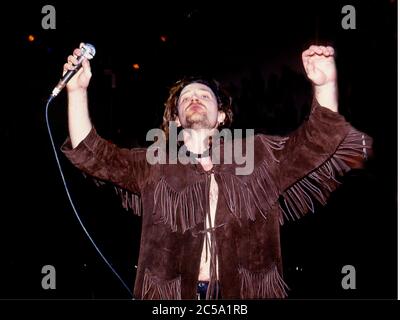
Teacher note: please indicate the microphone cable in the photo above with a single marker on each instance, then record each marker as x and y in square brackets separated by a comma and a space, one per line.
[72, 203]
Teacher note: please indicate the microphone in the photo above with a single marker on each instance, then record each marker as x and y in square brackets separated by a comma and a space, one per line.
[88, 52]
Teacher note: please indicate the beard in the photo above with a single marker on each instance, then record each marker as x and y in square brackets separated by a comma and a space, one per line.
[198, 120]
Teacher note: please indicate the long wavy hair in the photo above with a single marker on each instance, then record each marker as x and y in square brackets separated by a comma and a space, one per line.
[224, 101]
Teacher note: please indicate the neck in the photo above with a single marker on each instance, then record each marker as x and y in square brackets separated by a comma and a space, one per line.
[197, 140]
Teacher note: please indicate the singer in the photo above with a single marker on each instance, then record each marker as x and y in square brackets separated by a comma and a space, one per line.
[208, 233]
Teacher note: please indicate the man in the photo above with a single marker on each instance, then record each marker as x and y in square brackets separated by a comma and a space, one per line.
[207, 230]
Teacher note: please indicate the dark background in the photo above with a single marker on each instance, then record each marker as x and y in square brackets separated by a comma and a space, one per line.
[255, 50]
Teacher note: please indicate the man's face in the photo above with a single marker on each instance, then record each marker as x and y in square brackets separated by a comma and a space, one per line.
[198, 108]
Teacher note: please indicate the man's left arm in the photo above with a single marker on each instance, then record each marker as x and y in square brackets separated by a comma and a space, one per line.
[325, 147]
[319, 64]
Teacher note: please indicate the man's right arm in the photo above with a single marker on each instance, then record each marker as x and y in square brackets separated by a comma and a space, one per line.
[79, 123]
[87, 150]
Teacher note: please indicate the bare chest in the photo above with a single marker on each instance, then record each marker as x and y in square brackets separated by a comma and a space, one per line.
[204, 273]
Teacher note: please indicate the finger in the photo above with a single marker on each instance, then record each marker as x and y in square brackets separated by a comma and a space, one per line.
[331, 50]
[73, 60]
[307, 53]
[310, 70]
[307, 68]
[67, 67]
[306, 59]
[316, 49]
[326, 52]
[77, 53]
[306, 56]
[86, 67]
[319, 50]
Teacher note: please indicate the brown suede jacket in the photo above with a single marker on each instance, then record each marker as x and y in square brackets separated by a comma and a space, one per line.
[173, 201]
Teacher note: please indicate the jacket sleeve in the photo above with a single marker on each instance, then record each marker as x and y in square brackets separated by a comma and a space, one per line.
[101, 159]
[314, 156]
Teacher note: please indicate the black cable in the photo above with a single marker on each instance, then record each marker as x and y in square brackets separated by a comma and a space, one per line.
[72, 203]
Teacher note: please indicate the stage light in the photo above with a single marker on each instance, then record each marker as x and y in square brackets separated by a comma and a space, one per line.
[136, 66]
[163, 38]
[31, 38]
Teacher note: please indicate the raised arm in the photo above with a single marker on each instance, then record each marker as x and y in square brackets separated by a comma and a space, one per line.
[99, 158]
[319, 64]
[326, 146]
[79, 123]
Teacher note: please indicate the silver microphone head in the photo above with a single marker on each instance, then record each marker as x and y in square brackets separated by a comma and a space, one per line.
[88, 51]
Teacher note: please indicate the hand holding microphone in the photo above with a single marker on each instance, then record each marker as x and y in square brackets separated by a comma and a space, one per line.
[77, 72]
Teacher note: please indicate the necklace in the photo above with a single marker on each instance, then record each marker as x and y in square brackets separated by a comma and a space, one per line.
[190, 154]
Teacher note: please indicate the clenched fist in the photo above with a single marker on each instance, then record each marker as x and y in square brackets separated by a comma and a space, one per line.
[319, 64]
[80, 81]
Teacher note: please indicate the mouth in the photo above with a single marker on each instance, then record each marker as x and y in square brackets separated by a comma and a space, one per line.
[195, 107]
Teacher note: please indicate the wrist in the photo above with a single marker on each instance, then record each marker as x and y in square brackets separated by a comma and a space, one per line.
[327, 95]
[330, 86]
[77, 92]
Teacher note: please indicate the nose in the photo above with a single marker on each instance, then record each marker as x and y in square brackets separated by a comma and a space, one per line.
[194, 97]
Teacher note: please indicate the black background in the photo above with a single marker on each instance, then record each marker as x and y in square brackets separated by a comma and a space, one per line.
[255, 49]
